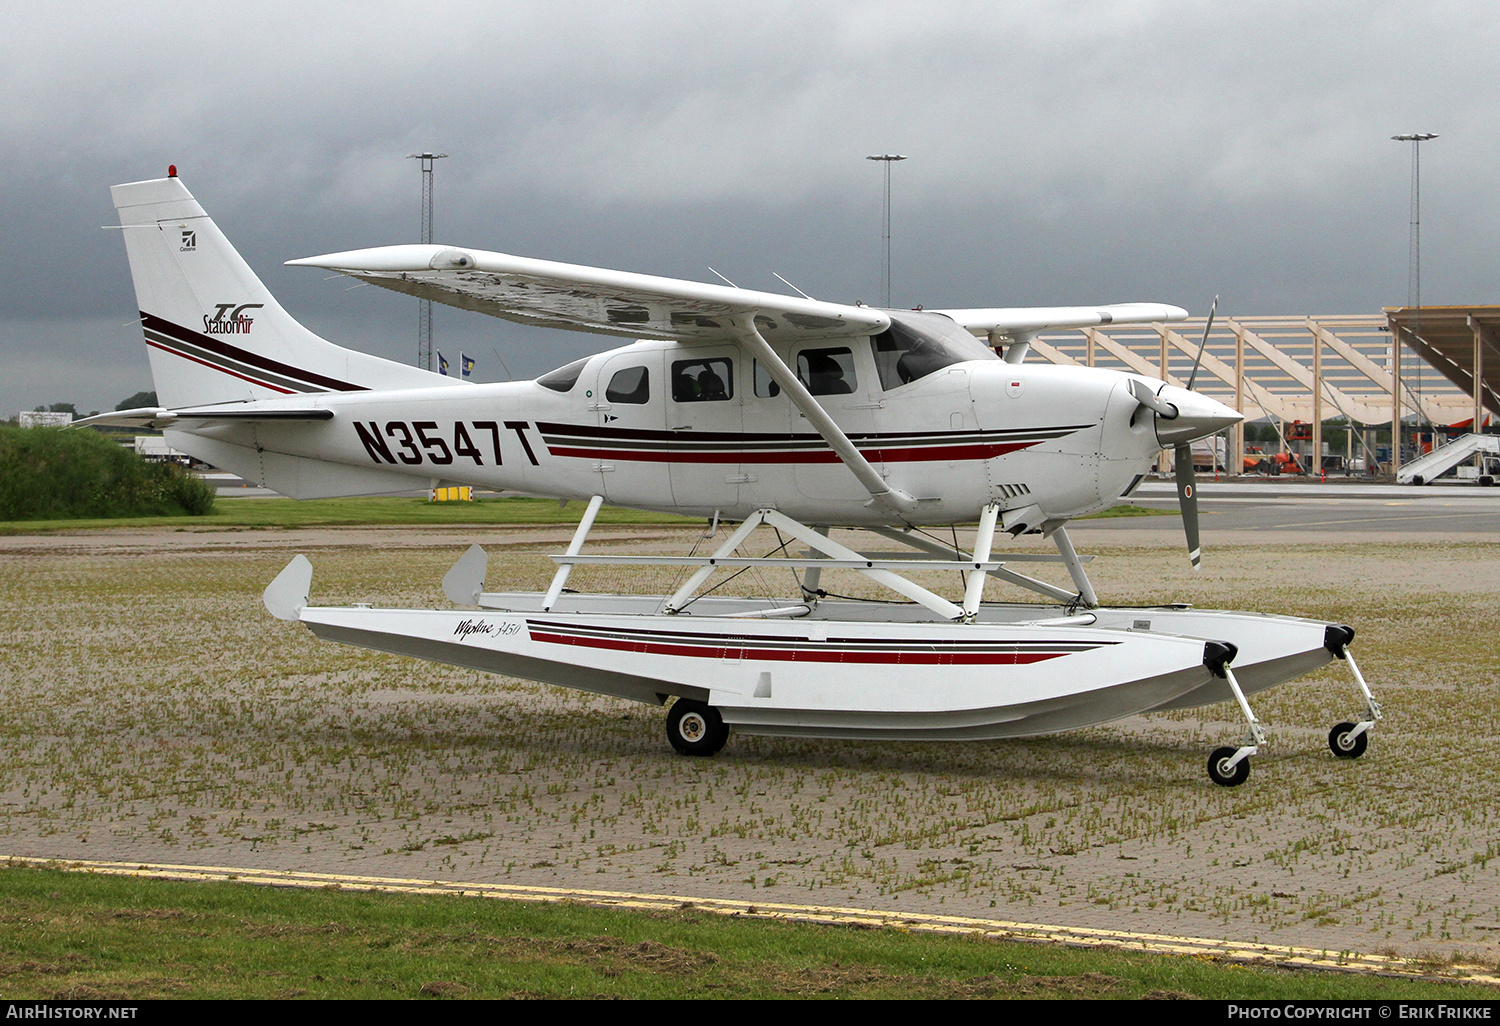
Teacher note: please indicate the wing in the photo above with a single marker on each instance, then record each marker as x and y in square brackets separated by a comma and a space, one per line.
[594, 299]
[1035, 319]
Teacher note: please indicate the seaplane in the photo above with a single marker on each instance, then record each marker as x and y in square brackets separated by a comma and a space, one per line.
[756, 411]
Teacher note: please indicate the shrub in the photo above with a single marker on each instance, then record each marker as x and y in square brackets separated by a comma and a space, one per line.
[65, 473]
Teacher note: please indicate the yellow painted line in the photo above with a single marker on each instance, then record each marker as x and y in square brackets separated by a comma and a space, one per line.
[998, 929]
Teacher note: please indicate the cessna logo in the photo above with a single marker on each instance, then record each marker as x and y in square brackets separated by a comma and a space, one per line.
[189, 241]
[229, 319]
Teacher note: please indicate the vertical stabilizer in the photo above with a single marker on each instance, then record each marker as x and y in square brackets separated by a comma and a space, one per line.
[214, 332]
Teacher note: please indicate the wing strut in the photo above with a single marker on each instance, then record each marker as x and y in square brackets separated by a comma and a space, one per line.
[880, 490]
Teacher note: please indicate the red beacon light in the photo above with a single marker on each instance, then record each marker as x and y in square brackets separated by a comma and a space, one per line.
[171, 170]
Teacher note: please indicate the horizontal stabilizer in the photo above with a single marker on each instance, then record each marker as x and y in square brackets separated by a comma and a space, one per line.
[160, 417]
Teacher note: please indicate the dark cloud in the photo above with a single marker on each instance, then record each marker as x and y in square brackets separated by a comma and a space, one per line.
[1060, 152]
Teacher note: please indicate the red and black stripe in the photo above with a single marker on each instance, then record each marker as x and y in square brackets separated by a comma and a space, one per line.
[789, 649]
[236, 361]
[633, 444]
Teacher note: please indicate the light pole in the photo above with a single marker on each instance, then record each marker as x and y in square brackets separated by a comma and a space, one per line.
[885, 224]
[424, 314]
[1413, 291]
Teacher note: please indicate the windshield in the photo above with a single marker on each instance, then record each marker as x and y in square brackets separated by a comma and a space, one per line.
[917, 344]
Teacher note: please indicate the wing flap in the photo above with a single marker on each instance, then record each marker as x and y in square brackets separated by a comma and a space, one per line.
[595, 299]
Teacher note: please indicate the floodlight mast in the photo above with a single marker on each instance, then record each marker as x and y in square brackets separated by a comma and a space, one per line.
[885, 225]
[424, 314]
[1413, 293]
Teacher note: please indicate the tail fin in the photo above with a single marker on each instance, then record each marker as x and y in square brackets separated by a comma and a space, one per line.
[214, 332]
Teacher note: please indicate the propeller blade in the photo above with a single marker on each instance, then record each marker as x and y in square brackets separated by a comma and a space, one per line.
[1187, 501]
[1142, 394]
[1204, 344]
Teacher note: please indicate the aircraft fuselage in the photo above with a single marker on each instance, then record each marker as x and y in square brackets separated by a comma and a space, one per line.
[697, 429]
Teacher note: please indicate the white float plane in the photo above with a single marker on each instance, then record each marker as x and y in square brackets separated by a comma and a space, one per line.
[750, 408]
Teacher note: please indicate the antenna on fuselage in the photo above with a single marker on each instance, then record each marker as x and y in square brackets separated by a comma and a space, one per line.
[724, 279]
[508, 375]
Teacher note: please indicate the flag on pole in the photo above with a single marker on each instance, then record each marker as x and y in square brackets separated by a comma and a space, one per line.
[442, 363]
[466, 362]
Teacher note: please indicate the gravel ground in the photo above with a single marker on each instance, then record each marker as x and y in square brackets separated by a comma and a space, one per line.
[154, 711]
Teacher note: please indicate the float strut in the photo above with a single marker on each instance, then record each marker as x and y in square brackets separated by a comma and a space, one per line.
[574, 547]
[983, 542]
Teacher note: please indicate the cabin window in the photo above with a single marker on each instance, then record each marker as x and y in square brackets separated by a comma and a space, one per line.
[631, 385]
[702, 381]
[827, 371]
[564, 378]
[765, 385]
[917, 344]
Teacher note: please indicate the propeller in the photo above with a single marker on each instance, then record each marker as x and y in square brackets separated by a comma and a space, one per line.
[1187, 501]
[1187, 486]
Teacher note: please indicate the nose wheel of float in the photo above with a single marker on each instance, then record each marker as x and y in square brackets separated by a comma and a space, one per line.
[694, 728]
[1348, 740]
[1230, 767]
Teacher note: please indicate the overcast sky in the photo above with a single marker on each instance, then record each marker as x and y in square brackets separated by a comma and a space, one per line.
[1060, 152]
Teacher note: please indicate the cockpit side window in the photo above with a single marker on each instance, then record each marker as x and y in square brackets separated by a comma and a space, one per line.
[827, 371]
[631, 386]
[565, 377]
[917, 344]
[702, 381]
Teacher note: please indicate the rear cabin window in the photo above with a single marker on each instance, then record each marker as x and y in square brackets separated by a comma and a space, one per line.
[564, 378]
[631, 386]
[702, 381]
[827, 371]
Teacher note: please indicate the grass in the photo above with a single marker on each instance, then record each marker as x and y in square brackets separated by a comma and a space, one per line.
[76, 936]
[1127, 510]
[290, 513]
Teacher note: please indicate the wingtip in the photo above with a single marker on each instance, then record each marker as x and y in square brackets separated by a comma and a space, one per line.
[409, 257]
